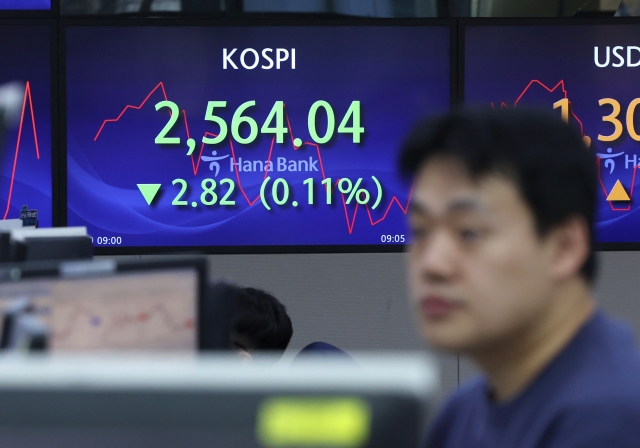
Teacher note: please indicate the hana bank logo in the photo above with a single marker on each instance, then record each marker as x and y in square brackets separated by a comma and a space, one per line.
[214, 161]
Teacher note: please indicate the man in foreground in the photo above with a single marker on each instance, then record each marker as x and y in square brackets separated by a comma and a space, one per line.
[500, 265]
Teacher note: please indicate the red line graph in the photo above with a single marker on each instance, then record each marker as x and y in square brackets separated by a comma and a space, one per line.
[561, 85]
[550, 90]
[196, 165]
[119, 321]
[27, 94]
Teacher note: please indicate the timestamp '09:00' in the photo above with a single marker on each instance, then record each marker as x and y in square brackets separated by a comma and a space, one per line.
[108, 240]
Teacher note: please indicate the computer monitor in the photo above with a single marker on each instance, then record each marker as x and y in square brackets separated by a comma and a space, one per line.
[6, 226]
[26, 162]
[108, 305]
[586, 73]
[25, 5]
[215, 402]
[63, 248]
[278, 137]
[58, 243]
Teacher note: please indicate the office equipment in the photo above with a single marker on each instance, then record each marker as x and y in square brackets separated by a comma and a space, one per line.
[217, 312]
[106, 402]
[113, 306]
[59, 243]
[28, 334]
[6, 226]
[21, 234]
[52, 248]
[10, 313]
[10, 224]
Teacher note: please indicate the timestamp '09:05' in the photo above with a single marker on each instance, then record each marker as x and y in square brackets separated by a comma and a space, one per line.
[399, 239]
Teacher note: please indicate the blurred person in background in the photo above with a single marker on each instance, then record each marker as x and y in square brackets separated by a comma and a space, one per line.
[260, 323]
[628, 8]
[501, 265]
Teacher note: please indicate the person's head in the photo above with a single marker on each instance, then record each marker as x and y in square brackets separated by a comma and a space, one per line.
[501, 217]
[260, 322]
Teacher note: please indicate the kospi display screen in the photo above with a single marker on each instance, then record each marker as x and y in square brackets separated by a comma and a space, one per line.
[25, 112]
[589, 75]
[25, 5]
[246, 136]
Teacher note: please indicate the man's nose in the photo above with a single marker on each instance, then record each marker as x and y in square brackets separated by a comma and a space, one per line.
[437, 259]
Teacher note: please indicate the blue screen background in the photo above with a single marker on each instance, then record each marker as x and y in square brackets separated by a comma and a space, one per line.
[399, 74]
[501, 62]
[25, 4]
[25, 56]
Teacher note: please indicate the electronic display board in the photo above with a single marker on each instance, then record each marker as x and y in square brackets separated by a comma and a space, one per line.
[246, 136]
[25, 5]
[26, 104]
[587, 74]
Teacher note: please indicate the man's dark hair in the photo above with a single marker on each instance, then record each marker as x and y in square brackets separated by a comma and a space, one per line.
[260, 321]
[546, 158]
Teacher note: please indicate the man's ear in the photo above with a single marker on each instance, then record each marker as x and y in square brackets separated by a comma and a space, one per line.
[571, 242]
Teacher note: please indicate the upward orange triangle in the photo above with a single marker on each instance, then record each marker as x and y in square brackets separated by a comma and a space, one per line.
[618, 193]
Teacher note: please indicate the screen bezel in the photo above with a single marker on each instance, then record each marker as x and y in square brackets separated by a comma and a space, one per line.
[65, 23]
[15, 272]
[463, 24]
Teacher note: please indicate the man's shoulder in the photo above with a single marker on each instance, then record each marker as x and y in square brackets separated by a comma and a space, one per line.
[615, 388]
[595, 397]
[595, 422]
[605, 368]
[463, 400]
[471, 390]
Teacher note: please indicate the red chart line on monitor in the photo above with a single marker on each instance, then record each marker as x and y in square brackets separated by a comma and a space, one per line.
[120, 321]
[196, 165]
[562, 87]
[27, 95]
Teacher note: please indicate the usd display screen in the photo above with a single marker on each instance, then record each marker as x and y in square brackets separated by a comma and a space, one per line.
[588, 74]
[230, 136]
[25, 104]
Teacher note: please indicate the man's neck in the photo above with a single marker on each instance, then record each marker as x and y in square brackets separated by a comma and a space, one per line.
[512, 366]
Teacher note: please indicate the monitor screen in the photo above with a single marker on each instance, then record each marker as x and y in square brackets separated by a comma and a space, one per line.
[587, 74]
[25, 5]
[151, 310]
[244, 137]
[25, 146]
[75, 402]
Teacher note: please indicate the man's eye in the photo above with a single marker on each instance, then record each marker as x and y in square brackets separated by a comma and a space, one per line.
[469, 235]
[419, 232]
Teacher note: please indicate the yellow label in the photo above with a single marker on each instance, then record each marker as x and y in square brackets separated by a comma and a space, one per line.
[319, 421]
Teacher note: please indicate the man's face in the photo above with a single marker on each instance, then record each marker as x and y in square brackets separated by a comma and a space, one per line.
[479, 272]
